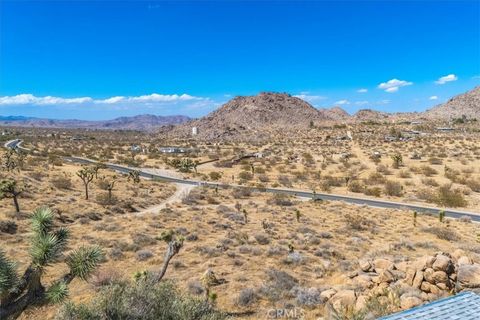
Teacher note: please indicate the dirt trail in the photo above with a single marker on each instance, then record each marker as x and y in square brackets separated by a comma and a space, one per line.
[182, 191]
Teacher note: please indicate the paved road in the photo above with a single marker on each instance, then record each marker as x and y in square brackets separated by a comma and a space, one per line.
[300, 193]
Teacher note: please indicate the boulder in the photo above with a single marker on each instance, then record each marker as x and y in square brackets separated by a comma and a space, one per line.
[468, 276]
[417, 280]
[343, 298]
[364, 281]
[440, 277]
[410, 302]
[386, 276]
[409, 275]
[430, 288]
[383, 264]
[402, 266]
[327, 294]
[428, 275]
[443, 263]
[424, 262]
[365, 265]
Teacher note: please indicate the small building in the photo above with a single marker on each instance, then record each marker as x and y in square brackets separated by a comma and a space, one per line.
[172, 150]
[136, 148]
[445, 129]
[194, 131]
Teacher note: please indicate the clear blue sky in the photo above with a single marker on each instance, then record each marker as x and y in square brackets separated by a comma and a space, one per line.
[99, 60]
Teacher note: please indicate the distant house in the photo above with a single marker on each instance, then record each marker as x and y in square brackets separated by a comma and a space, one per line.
[463, 306]
[136, 148]
[173, 150]
[194, 131]
[445, 129]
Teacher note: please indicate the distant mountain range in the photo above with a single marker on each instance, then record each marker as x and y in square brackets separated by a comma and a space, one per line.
[141, 122]
[259, 116]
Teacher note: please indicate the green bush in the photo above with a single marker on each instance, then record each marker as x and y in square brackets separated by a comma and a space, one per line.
[141, 300]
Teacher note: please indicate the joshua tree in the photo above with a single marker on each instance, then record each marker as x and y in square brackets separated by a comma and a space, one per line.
[252, 167]
[134, 175]
[96, 168]
[195, 165]
[175, 243]
[238, 206]
[415, 218]
[441, 216]
[8, 162]
[297, 215]
[397, 160]
[86, 174]
[291, 248]
[109, 186]
[209, 280]
[10, 189]
[186, 165]
[47, 247]
[245, 216]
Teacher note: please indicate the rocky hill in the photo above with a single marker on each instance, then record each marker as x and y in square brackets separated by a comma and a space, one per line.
[336, 114]
[140, 122]
[466, 104]
[259, 116]
[371, 115]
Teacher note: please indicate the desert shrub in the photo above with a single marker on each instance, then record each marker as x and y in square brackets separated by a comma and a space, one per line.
[105, 200]
[284, 181]
[446, 196]
[9, 227]
[308, 296]
[356, 186]
[141, 300]
[263, 178]
[215, 175]
[62, 182]
[393, 188]
[404, 174]
[246, 297]
[443, 233]
[143, 239]
[280, 199]
[105, 277]
[262, 238]
[142, 255]
[241, 193]
[473, 184]
[358, 222]
[383, 170]
[245, 176]
[278, 284]
[195, 287]
[333, 181]
[373, 191]
[430, 182]
[375, 178]
[427, 171]
[435, 161]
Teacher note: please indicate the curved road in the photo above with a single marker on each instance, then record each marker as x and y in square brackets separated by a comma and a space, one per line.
[300, 193]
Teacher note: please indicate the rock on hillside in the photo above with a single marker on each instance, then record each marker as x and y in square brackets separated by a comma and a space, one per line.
[466, 104]
[247, 117]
